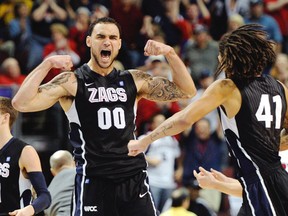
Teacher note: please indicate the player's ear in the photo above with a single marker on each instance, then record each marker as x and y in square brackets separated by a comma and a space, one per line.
[53, 172]
[120, 43]
[88, 41]
[6, 117]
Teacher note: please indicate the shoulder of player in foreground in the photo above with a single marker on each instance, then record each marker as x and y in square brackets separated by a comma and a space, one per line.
[223, 84]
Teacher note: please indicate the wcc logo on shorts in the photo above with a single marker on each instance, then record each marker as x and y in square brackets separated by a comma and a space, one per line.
[90, 209]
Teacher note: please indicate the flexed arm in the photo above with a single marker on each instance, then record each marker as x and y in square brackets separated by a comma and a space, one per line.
[182, 85]
[33, 97]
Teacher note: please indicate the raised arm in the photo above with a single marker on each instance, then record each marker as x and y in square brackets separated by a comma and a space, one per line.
[159, 88]
[216, 94]
[276, 5]
[32, 96]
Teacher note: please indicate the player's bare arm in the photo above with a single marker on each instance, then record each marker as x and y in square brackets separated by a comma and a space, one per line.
[219, 93]
[62, 86]
[179, 72]
[28, 162]
[156, 88]
[218, 181]
[33, 97]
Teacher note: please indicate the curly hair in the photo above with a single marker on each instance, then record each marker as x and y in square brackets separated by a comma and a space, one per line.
[245, 52]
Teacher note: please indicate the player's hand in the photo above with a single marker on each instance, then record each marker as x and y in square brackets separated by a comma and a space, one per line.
[63, 62]
[26, 211]
[205, 178]
[135, 147]
[219, 176]
[156, 48]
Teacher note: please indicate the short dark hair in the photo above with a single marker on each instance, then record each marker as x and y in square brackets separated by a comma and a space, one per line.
[245, 52]
[179, 196]
[107, 20]
[255, 2]
[6, 107]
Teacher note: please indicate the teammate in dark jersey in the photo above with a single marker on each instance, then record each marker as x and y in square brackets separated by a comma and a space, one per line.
[100, 103]
[19, 167]
[253, 108]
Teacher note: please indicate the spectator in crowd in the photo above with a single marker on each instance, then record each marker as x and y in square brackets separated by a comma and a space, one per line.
[130, 17]
[161, 157]
[198, 205]
[20, 33]
[219, 18]
[71, 13]
[258, 16]
[152, 8]
[78, 32]
[11, 72]
[205, 80]
[7, 46]
[60, 45]
[280, 68]
[180, 200]
[75, 4]
[43, 15]
[163, 18]
[7, 7]
[278, 9]
[197, 13]
[235, 21]
[206, 149]
[238, 7]
[98, 11]
[62, 167]
[172, 12]
[200, 50]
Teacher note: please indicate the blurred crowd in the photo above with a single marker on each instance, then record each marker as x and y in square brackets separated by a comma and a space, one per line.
[33, 30]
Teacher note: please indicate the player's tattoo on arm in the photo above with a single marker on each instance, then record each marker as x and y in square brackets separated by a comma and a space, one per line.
[162, 130]
[160, 88]
[62, 78]
[163, 89]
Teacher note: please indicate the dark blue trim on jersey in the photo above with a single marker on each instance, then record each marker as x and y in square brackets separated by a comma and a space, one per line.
[6, 145]
[78, 202]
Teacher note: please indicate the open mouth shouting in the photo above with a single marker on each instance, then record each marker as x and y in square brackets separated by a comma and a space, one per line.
[105, 55]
